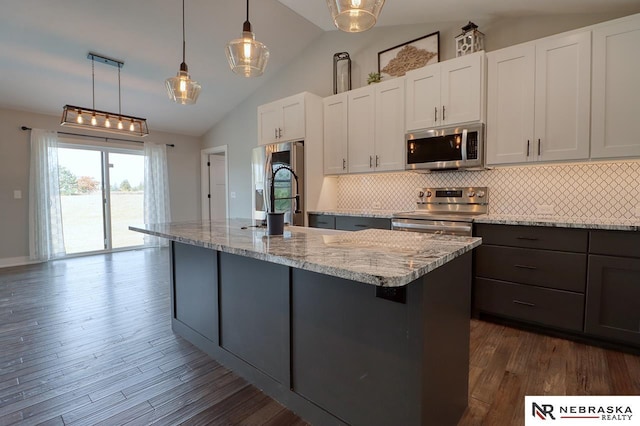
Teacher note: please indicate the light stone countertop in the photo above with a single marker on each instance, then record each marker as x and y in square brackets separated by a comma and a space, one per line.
[383, 214]
[551, 221]
[562, 222]
[373, 256]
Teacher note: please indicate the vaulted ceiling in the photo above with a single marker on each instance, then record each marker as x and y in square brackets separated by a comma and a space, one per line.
[44, 46]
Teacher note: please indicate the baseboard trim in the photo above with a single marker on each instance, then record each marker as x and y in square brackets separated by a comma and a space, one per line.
[8, 262]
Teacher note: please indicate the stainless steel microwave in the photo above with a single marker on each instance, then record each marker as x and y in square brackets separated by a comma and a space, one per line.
[447, 148]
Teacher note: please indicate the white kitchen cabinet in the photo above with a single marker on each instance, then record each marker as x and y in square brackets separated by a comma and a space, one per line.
[282, 120]
[510, 92]
[446, 93]
[538, 100]
[364, 129]
[361, 107]
[389, 128]
[615, 106]
[335, 134]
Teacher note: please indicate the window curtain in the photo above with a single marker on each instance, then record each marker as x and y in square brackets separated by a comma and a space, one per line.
[156, 190]
[46, 238]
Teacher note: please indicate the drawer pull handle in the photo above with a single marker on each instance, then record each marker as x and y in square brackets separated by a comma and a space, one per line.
[358, 225]
[520, 302]
[525, 267]
[527, 238]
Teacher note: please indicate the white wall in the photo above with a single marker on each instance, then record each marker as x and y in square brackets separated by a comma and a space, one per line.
[184, 177]
[312, 72]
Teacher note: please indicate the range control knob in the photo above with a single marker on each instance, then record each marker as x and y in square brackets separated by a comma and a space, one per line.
[420, 194]
[480, 194]
[471, 194]
[428, 194]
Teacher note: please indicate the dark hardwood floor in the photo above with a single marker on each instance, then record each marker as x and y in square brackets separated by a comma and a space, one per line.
[88, 341]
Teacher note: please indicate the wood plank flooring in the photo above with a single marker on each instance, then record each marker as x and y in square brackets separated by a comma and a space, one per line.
[87, 341]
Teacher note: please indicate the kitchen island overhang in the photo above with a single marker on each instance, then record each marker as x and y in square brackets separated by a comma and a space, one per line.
[302, 316]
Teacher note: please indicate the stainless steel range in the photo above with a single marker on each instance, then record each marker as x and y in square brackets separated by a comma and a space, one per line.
[448, 211]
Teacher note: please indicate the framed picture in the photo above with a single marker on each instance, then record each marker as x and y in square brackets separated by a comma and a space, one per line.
[396, 61]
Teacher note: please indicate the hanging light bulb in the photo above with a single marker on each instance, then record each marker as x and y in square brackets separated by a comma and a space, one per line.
[247, 56]
[79, 119]
[120, 126]
[132, 127]
[355, 16]
[107, 123]
[181, 89]
[94, 121]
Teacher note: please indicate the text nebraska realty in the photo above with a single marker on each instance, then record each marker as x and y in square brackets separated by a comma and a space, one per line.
[605, 412]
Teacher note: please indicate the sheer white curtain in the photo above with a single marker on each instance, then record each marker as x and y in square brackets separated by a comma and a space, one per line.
[46, 239]
[156, 189]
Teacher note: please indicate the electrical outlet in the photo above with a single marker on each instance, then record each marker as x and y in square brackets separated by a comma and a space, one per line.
[233, 194]
[544, 209]
[377, 205]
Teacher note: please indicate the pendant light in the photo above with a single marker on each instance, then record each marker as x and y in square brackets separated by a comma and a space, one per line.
[247, 56]
[354, 16]
[74, 116]
[181, 89]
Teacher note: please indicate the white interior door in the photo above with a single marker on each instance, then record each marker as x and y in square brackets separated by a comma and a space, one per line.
[217, 187]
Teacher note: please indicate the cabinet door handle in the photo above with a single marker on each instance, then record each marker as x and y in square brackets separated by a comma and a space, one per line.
[344, 164]
[370, 161]
[377, 161]
[527, 238]
[275, 131]
[279, 132]
[525, 267]
[443, 113]
[435, 114]
[520, 302]
[528, 147]
[538, 146]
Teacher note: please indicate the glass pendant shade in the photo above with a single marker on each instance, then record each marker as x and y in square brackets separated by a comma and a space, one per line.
[354, 16]
[181, 89]
[246, 55]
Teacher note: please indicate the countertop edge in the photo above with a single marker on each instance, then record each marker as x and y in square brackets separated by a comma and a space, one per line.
[554, 222]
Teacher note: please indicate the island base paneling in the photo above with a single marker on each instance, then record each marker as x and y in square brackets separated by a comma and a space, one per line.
[354, 358]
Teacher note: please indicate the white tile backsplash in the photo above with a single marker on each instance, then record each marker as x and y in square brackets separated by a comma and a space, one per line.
[584, 190]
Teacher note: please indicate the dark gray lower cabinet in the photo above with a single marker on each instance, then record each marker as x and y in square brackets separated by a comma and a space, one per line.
[335, 351]
[585, 282]
[322, 221]
[195, 304]
[348, 223]
[613, 298]
[254, 313]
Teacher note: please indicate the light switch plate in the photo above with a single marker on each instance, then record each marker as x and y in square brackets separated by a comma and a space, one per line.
[544, 209]
[17, 194]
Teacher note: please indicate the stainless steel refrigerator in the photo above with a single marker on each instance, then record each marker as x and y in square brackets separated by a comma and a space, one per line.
[264, 160]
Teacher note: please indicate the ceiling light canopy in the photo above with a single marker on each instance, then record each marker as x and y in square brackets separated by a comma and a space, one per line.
[91, 118]
[181, 89]
[246, 55]
[354, 16]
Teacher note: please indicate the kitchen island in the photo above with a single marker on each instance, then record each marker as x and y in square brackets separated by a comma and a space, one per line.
[364, 328]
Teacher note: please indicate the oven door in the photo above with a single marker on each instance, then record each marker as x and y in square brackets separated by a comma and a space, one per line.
[443, 227]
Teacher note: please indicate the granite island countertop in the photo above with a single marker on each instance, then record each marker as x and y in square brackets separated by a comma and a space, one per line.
[373, 256]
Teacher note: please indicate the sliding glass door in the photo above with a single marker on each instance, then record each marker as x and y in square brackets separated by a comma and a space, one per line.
[102, 193]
